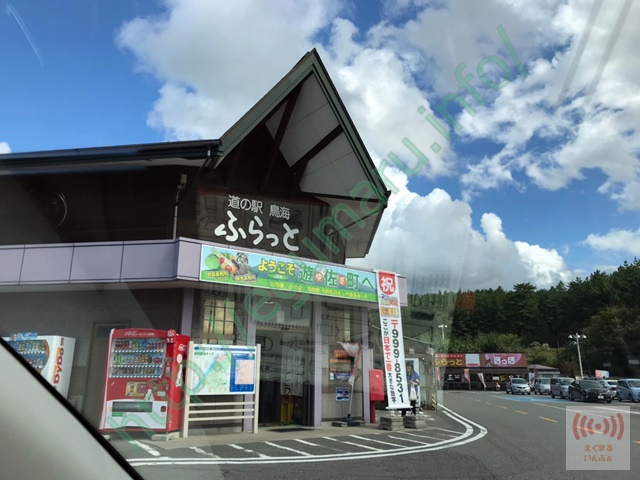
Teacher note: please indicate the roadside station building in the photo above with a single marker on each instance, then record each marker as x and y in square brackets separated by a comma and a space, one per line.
[543, 371]
[239, 240]
[476, 371]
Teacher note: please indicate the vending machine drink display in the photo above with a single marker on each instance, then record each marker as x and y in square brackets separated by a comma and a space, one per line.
[50, 355]
[144, 380]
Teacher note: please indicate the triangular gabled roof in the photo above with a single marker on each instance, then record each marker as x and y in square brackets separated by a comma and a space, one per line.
[313, 131]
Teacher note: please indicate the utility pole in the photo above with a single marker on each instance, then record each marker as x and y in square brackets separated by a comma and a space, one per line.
[577, 337]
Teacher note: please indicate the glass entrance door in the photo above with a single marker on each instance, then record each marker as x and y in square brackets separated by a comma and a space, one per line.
[286, 389]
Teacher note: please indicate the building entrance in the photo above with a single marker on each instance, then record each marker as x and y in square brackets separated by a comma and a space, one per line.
[286, 380]
[285, 386]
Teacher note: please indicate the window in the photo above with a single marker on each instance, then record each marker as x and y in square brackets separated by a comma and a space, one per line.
[218, 318]
[340, 321]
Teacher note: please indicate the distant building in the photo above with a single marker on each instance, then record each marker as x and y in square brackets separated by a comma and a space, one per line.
[478, 371]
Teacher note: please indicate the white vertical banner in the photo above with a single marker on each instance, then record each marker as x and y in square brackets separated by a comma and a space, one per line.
[481, 377]
[395, 373]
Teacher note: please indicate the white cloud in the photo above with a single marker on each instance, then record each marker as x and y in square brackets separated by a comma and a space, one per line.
[378, 88]
[431, 240]
[616, 240]
[603, 269]
[4, 148]
[593, 127]
[222, 55]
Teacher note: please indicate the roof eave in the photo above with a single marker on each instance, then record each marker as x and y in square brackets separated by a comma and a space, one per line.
[187, 150]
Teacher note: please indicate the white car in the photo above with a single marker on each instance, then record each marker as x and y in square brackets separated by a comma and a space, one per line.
[542, 386]
[518, 385]
[611, 385]
[629, 389]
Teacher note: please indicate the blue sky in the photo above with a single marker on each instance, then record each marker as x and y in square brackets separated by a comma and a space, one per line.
[530, 189]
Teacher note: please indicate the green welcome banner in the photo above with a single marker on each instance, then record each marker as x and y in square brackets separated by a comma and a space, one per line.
[236, 267]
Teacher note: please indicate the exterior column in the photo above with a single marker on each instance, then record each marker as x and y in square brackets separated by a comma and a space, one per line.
[317, 362]
[366, 365]
[186, 320]
[250, 326]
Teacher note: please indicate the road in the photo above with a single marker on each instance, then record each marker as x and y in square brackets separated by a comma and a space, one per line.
[479, 435]
[527, 436]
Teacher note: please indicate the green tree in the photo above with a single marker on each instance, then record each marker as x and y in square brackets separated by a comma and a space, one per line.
[611, 336]
[626, 283]
[523, 312]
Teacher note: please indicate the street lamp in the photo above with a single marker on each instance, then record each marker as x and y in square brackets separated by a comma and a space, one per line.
[577, 337]
[443, 326]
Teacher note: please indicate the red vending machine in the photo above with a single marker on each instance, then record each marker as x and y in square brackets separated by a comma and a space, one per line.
[144, 380]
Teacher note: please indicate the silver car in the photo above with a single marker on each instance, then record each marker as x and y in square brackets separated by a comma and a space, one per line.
[518, 385]
[542, 386]
[560, 387]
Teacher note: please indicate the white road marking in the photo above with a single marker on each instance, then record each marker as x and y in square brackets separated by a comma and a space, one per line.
[408, 440]
[203, 452]
[306, 443]
[421, 436]
[470, 435]
[362, 446]
[444, 434]
[569, 404]
[445, 430]
[238, 447]
[573, 407]
[299, 452]
[376, 441]
[146, 448]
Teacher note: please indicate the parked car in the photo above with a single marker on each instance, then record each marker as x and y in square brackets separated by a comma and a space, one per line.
[629, 389]
[611, 385]
[589, 390]
[542, 386]
[518, 385]
[560, 386]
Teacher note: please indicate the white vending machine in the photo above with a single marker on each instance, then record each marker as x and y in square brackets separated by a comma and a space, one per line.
[50, 355]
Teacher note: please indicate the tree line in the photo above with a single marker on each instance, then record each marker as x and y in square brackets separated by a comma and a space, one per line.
[605, 307]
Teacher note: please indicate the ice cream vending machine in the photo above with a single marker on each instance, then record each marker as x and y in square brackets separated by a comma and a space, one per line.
[50, 355]
[144, 386]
